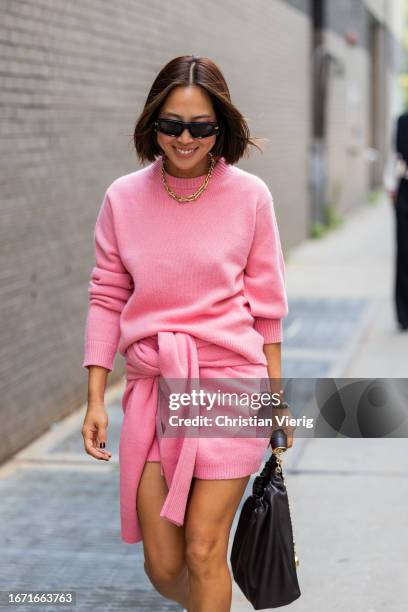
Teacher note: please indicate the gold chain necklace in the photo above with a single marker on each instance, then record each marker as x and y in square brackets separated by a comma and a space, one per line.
[193, 196]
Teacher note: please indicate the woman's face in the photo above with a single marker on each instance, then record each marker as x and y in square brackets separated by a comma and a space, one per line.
[187, 103]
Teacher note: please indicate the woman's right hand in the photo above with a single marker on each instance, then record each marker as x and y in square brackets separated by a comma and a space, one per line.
[94, 431]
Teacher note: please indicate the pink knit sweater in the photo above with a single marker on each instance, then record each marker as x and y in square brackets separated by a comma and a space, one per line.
[212, 267]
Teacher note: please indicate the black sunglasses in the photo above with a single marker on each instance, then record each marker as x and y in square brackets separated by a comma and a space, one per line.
[197, 129]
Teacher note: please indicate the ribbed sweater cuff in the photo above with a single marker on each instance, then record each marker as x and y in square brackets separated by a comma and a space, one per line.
[99, 353]
[270, 329]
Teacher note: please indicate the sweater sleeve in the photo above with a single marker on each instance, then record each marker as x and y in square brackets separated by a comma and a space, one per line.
[109, 289]
[264, 275]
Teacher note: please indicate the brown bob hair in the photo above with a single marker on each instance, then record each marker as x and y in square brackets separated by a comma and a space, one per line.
[234, 139]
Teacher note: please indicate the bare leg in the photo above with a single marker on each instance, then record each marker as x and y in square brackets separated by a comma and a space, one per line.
[209, 516]
[163, 542]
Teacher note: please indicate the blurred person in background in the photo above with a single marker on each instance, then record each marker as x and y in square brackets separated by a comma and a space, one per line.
[396, 183]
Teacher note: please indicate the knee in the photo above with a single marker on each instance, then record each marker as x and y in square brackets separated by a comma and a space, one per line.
[163, 573]
[205, 554]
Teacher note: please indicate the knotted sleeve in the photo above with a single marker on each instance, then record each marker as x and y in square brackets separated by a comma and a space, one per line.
[264, 274]
[109, 289]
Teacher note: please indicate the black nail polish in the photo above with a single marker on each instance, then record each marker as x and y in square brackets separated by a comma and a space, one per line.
[102, 445]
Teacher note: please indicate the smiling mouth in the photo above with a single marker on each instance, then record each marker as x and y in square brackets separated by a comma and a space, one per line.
[185, 151]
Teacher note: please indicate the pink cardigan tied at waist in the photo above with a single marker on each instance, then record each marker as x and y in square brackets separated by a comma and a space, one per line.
[172, 355]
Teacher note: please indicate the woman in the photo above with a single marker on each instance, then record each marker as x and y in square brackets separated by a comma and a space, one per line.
[396, 181]
[188, 284]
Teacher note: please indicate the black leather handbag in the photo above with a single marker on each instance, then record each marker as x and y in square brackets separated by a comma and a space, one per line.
[263, 556]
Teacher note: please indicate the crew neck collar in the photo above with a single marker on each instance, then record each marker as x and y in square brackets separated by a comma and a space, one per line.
[177, 182]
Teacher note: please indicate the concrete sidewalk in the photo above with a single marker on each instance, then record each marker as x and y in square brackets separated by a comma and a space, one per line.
[60, 509]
